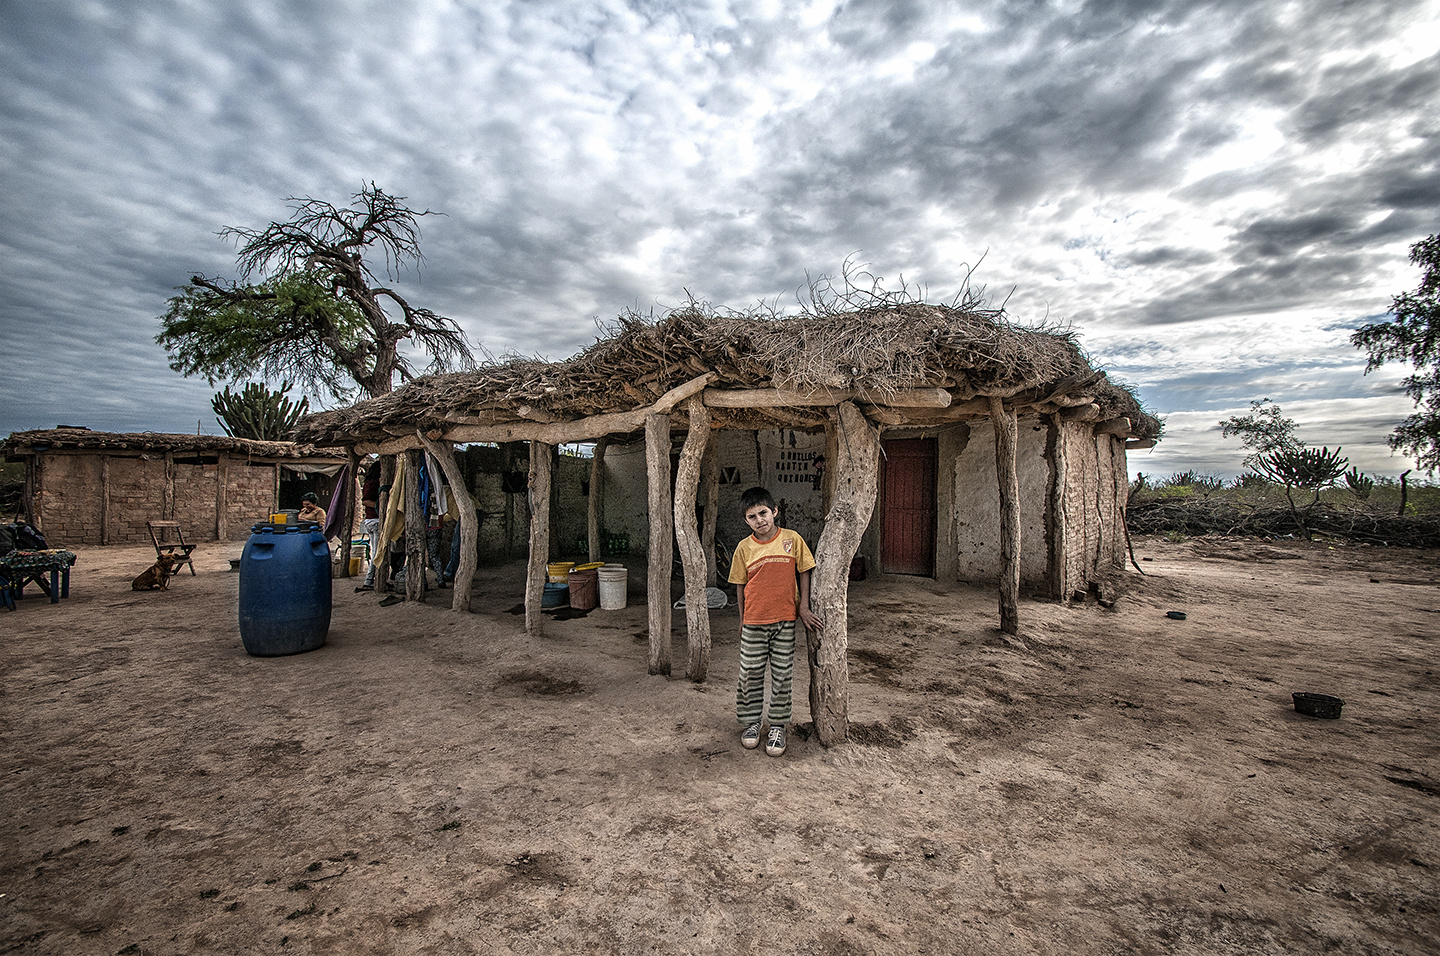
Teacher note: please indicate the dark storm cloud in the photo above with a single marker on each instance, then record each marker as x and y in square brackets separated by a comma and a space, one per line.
[1367, 92]
[990, 128]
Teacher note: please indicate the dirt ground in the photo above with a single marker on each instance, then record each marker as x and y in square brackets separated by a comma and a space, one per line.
[429, 782]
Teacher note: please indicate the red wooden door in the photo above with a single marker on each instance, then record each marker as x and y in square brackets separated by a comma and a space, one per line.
[907, 530]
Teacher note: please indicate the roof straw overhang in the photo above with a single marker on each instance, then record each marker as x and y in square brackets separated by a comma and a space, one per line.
[913, 364]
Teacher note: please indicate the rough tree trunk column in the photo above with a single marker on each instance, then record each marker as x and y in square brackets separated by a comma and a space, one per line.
[351, 491]
[387, 466]
[104, 497]
[444, 453]
[657, 598]
[535, 577]
[1059, 552]
[222, 486]
[597, 495]
[710, 482]
[1008, 477]
[692, 551]
[167, 505]
[856, 468]
[416, 553]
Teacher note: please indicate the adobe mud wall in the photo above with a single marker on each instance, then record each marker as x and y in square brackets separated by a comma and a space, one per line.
[85, 498]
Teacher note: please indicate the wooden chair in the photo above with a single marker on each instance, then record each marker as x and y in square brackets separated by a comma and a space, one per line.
[180, 551]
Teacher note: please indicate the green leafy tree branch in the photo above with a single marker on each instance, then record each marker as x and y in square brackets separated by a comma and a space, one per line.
[318, 313]
[1412, 335]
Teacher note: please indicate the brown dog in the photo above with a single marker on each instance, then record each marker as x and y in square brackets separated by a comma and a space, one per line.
[157, 576]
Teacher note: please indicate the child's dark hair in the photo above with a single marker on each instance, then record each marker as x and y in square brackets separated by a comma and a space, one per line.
[753, 497]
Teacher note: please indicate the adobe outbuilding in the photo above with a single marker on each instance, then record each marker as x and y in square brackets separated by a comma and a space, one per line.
[89, 487]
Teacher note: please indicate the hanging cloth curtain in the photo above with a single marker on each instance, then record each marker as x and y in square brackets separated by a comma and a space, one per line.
[335, 514]
[395, 510]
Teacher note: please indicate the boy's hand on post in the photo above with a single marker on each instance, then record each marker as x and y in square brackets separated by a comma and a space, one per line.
[808, 618]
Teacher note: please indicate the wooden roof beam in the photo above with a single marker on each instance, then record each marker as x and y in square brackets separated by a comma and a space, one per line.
[781, 398]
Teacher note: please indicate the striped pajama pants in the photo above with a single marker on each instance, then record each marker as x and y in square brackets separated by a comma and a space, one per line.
[765, 646]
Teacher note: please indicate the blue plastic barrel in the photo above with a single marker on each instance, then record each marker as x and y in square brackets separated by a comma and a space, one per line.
[285, 595]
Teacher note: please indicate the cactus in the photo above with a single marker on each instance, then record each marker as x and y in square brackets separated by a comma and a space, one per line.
[1360, 484]
[1312, 468]
[258, 413]
[1305, 468]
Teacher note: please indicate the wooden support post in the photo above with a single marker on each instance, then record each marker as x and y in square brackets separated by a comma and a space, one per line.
[657, 598]
[597, 497]
[351, 490]
[557, 547]
[511, 452]
[104, 498]
[1057, 555]
[387, 466]
[167, 504]
[32, 484]
[444, 453]
[856, 467]
[535, 576]
[832, 456]
[222, 495]
[1007, 475]
[692, 551]
[710, 483]
[415, 550]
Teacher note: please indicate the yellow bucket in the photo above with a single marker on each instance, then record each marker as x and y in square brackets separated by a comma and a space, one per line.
[279, 517]
[560, 571]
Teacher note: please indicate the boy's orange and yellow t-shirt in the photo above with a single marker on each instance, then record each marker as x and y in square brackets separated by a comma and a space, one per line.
[768, 569]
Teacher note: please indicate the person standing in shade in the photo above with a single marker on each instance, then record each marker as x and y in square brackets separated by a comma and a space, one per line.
[771, 574]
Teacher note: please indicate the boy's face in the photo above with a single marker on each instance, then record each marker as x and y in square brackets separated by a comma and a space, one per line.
[761, 520]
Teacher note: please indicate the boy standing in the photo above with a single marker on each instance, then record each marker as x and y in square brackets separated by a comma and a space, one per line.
[769, 569]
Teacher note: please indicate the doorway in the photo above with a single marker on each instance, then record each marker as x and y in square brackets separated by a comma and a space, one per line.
[908, 506]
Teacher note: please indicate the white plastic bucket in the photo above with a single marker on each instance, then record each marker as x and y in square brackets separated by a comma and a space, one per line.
[613, 584]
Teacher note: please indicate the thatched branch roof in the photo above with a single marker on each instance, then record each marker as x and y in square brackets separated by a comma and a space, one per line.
[874, 352]
[83, 439]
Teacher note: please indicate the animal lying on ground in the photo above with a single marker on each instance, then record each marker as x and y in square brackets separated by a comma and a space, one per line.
[157, 576]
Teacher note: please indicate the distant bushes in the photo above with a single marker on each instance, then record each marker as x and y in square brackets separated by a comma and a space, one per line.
[1377, 510]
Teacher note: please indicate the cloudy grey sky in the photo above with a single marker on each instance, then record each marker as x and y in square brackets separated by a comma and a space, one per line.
[1214, 194]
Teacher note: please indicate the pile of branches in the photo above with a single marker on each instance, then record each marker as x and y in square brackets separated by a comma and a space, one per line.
[1193, 516]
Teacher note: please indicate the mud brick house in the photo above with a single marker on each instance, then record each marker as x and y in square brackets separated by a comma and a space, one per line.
[88, 487]
[943, 441]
